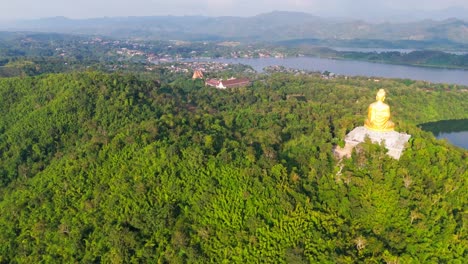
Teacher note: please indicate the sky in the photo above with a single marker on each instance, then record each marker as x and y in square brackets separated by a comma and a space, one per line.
[362, 9]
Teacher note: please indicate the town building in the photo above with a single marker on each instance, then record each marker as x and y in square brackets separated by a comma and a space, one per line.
[229, 83]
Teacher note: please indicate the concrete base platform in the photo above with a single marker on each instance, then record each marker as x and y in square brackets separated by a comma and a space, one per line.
[394, 141]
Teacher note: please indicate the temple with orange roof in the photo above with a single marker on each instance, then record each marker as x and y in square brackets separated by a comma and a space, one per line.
[197, 74]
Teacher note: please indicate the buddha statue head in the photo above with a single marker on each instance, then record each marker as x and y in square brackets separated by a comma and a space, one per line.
[380, 95]
[378, 115]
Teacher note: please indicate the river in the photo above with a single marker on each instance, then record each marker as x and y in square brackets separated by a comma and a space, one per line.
[455, 131]
[359, 68]
[381, 50]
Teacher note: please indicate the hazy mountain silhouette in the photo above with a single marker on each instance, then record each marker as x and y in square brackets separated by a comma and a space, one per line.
[274, 26]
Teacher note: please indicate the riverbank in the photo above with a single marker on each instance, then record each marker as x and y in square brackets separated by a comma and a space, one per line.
[432, 66]
[418, 58]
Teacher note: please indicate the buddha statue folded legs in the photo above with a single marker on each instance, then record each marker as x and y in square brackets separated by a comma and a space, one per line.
[378, 117]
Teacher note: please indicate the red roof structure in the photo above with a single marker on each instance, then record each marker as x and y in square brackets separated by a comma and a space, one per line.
[230, 83]
[212, 82]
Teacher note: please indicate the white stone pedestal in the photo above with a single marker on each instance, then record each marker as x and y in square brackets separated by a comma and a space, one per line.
[394, 141]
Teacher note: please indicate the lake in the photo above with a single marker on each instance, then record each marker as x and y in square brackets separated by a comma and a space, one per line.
[358, 68]
[455, 131]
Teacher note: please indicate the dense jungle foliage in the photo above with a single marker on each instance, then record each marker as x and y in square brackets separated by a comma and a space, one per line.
[114, 168]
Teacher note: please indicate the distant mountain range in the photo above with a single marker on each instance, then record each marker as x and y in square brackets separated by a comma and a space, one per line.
[379, 14]
[274, 26]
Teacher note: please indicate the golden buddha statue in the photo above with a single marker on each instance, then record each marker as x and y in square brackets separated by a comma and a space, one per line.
[378, 116]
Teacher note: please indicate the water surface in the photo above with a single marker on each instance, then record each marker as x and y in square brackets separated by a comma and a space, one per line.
[359, 68]
[455, 131]
[381, 50]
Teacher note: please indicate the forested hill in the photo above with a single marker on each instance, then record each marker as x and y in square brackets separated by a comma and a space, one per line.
[120, 169]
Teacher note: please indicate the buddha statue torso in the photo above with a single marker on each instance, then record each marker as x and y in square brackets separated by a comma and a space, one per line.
[378, 117]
